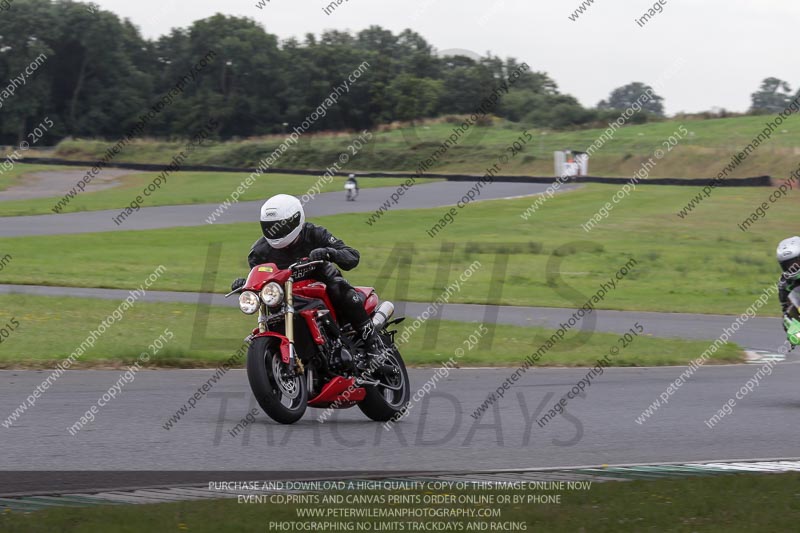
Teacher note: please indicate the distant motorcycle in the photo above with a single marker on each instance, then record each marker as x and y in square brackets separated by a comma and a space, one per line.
[301, 356]
[351, 189]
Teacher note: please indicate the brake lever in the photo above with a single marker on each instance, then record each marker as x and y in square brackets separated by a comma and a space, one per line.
[305, 264]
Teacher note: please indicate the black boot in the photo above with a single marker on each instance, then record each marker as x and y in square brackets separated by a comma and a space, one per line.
[373, 345]
[372, 341]
[375, 363]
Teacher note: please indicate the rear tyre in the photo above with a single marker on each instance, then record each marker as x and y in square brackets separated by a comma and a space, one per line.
[387, 400]
[282, 397]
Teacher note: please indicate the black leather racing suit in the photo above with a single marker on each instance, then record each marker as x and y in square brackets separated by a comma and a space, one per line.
[343, 296]
[785, 287]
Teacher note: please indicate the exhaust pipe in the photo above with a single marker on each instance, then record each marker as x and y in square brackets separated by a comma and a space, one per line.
[382, 315]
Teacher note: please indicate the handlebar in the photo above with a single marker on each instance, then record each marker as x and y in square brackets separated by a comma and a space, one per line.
[299, 264]
[292, 267]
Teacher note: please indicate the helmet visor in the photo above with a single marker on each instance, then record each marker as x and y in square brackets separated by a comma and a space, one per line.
[791, 268]
[278, 229]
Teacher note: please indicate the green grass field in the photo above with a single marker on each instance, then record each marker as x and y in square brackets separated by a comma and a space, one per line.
[702, 154]
[729, 504]
[703, 264]
[50, 329]
[181, 188]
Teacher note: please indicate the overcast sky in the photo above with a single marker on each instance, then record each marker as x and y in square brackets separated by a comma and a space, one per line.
[725, 47]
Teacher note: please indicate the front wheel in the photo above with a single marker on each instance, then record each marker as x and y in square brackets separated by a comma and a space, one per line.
[388, 399]
[283, 396]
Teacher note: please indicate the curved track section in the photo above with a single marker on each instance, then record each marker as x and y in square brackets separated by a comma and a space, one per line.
[429, 195]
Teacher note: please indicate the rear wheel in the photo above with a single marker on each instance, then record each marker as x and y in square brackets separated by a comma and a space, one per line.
[283, 396]
[388, 399]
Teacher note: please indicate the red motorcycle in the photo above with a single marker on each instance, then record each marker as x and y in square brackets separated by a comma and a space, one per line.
[301, 356]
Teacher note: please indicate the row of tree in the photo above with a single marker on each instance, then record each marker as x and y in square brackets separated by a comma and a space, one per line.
[100, 75]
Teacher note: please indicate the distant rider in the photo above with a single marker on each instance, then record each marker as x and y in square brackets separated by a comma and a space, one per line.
[789, 258]
[288, 238]
[351, 186]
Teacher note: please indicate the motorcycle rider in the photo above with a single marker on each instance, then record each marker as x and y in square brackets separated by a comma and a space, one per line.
[352, 184]
[288, 238]
[788, 254]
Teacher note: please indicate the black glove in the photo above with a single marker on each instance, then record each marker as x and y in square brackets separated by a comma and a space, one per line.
[322, 254]
[237, 284]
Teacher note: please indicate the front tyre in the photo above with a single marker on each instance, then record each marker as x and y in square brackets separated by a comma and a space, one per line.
[282, 396]
[391, 396]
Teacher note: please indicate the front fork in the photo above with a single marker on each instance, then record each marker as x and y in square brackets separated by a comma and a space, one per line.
[294, 361]
[295, 364]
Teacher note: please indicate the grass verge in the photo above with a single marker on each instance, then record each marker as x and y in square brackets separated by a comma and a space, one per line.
[703, 264]
[730, 503]
[50, 329]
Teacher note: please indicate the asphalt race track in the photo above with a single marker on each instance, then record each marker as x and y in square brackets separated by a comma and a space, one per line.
[440, 434]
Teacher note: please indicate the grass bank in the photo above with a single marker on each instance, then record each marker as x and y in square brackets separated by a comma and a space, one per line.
[701, 154]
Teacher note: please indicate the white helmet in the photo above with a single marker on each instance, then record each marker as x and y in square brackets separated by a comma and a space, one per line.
[282, 220]
[789, 257]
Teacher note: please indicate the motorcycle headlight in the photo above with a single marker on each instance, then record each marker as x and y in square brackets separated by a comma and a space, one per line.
[272, 294]
[248, 302]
